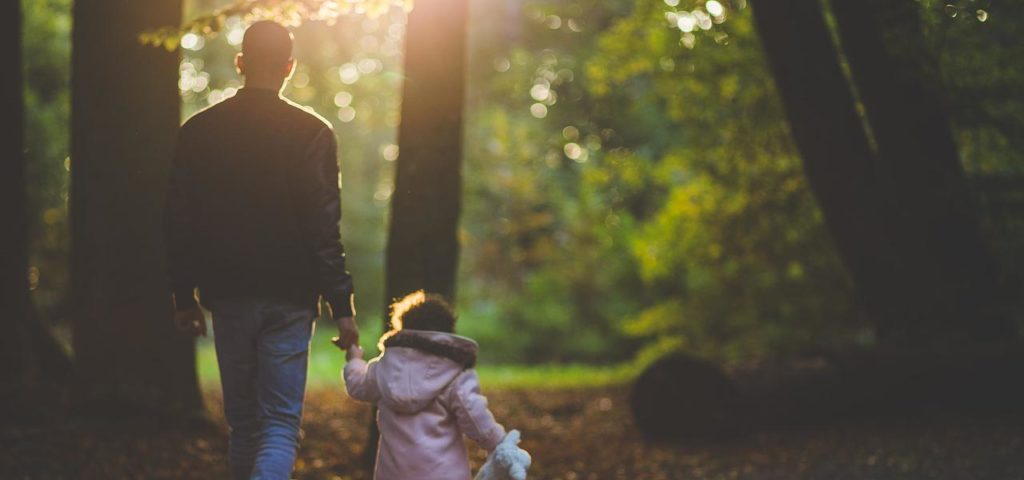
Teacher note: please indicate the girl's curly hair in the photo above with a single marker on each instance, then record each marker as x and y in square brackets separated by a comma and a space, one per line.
[420, 311]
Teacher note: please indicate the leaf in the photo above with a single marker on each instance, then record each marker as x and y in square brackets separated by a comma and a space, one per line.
[171, 42]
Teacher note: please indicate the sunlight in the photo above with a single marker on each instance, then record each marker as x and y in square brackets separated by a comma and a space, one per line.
[191, 41]
[389, 152]
[342, 99]
[662, 220]
[714, 8]
[539, 110]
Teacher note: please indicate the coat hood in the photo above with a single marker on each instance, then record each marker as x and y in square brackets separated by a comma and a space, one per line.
[417, 365]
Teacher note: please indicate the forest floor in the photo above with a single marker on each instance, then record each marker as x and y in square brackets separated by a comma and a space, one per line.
[571, 433]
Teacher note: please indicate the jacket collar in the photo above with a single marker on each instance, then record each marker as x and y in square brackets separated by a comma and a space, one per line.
[258, 93]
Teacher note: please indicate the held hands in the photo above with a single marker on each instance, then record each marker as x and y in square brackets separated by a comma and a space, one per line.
[348, 334]
[190, 321]
[354, 351]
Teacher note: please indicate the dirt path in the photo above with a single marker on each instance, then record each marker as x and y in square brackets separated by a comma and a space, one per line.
[581, 434]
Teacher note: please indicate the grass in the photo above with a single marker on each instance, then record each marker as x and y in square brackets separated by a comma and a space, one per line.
[326, 361]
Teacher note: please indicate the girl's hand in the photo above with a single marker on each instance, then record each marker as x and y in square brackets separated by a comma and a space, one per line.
[354, 351]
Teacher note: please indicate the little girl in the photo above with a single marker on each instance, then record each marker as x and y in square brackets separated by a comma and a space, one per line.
[428, 397]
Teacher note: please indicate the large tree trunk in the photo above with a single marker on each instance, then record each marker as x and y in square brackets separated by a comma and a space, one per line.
[17, 367]
[422, 251]
[125, 114]
[837, 156]
[901, 216]
[953, 274]
[32, 365]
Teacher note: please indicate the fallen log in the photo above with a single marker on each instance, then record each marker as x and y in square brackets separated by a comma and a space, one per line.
[681, 397]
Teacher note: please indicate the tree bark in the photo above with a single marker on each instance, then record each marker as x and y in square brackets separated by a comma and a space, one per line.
[17, 368]
[899, 211]
[33, 367]
[422, 251]
[837, 156]
[953, 284]
[125, 114]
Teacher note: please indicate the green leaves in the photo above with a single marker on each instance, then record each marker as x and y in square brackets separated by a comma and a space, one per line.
[287, 12]
[735, 245]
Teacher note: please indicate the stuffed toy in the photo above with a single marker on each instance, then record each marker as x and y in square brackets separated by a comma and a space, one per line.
[507, 461]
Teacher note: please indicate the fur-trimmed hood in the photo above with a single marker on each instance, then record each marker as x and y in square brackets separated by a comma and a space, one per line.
[417, 366]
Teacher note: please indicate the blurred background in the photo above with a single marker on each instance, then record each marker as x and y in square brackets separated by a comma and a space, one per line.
[693, 238]
[630, 185]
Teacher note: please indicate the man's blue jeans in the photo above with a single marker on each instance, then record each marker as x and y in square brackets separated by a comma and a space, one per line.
[263, 350]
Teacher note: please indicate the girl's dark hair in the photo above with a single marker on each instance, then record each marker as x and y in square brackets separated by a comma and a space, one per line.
[420, 311]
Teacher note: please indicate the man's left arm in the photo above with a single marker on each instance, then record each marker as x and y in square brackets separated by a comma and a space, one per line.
[323, 217]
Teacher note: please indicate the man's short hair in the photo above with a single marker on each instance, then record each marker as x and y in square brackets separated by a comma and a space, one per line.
[267, 43]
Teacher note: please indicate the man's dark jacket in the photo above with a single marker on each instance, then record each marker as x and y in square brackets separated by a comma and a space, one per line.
[253, 206]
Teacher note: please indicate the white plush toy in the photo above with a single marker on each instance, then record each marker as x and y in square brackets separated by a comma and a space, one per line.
[507, 461]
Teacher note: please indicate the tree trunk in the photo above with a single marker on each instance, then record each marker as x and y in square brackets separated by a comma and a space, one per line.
[17, 368]
[125, 114]
[422, 250]
[953, 283]
[32, 365]
[837, 156]
[900, 213]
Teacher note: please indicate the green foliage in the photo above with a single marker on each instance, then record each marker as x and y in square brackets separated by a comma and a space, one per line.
[287, 12]
[976, 46]
[686, 218]
[735, 241]
[546, 273]
[685, 222]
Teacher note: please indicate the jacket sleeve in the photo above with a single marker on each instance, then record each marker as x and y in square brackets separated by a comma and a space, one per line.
[463, 398]
[178, 228]
[320, 214]
[360, 382]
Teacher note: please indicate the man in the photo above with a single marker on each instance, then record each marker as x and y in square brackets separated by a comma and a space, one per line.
[252, 223]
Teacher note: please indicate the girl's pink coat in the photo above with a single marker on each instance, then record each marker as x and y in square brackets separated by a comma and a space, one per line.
[426, 404]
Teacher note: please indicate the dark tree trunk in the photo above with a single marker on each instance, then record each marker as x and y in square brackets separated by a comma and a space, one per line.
[32, 365]
[953, 284]
[17, 366]
[125, 114]
[422, 251]
[837, 156]
[901, 216]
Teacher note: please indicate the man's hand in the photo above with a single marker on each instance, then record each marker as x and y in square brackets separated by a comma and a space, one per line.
[190, 321]
[348, 333]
